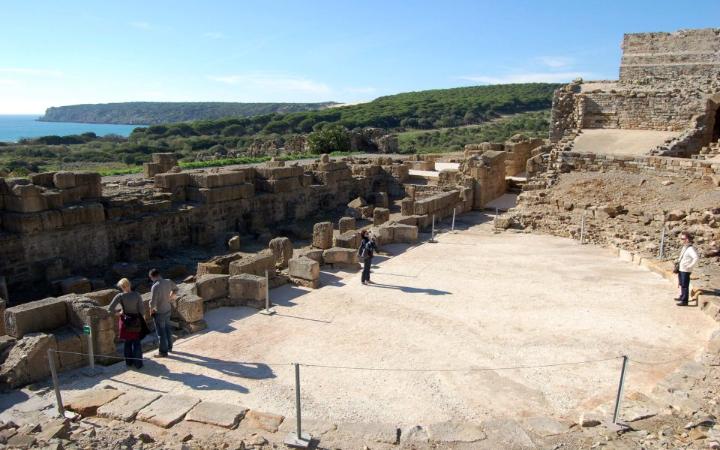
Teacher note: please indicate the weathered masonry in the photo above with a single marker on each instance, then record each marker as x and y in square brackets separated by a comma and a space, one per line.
[668, 82]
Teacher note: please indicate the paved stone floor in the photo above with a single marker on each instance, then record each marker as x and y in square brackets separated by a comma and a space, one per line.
[621, 142]
[456, 315]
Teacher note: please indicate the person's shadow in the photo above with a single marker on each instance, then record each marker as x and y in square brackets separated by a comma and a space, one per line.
[409, 289]
[240, 369]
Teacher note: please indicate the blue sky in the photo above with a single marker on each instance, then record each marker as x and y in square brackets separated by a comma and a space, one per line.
[67, 52]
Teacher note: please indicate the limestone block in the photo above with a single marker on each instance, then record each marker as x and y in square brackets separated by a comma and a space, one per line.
[278, 186]
[83, 311]
[64, 180]
[407, 234]
[126, 406]
[73, 195]
[282, 250]
[305, 271]
[212, 286]
[341, 256]
[166, 160]
[381, 199]
[256, 265]
[189, 308]
[359, 202]
[75, 285]
[170, 181]
[366, 212]
[224, 415]
[204, 268]
[221, 179]
[221, 194]
[27, 360]
[167, 410]
[92, 183]
[151, 169]
[380, 216]
[103, 297]
[407, 207]
[44, 179]
[53, 199]
[86, 403]
[86, 213]
[278, 173]
[315, 255]
[68, 340]
[346, 224]
[234, 243]
[262, 421]
[25, 199]
[350, 239]
[41, 315]
[247, 287]
[322, 235]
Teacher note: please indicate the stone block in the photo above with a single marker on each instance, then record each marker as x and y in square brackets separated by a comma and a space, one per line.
[170, 181]
[255, 265]
[282, 250]
[44, 179]
[86, 403]
[102, 297]
[221, 194]
[380, 216]
[357, 203]
[247, 287]
[385, 234]
[381, 200]
[75, 285]
[151, 169]
[189, 308]
[406, 234]
[234, 243]
[53, 199]
[28, 223]
[83, 311]
[86, 213]
[278, 186]
[26, 361]
[167, 410]
[350, 239]
[25, 199]
[315, 255]
[407, 207]
[340, 256]
[126, 406]
[322, 235]
[204, 268]
[73, 195]
[366, 212]
[224, 415]
[212, 286]
[64, 180]
[220, 179]
[305, 271]
[262, 421]
[41, 315]
[346, 224]
[68, 340]
[278, 173]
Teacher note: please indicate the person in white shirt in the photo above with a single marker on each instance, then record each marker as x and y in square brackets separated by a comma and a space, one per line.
[685, 263]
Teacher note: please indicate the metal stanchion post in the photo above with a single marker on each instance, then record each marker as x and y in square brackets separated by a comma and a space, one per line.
[56, 383]
[91, 370]
[661, 254]
[432, 231]
[452, 228]
[267, 311]
[621, 385]
[582, 230]
[298, 439]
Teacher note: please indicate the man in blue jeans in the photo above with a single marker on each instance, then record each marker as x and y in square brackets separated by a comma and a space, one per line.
[163, 291]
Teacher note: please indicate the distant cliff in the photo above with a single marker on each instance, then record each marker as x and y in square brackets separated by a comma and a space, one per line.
[152, 113]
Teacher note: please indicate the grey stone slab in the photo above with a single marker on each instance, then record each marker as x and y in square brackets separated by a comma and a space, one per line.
[167, 410]
[507, 434]
[86, 403]
[127, 406]
[214, 413]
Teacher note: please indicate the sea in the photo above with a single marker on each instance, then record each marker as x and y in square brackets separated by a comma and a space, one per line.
[16, 127]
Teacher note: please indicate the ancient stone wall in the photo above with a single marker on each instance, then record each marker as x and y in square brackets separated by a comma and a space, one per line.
[44, 237]
[687, 57]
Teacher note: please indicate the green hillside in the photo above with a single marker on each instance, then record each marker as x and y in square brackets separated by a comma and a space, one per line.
[435, 120]
[152, 113]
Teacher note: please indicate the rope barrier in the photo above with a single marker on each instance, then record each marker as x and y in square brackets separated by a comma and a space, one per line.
[378, 369]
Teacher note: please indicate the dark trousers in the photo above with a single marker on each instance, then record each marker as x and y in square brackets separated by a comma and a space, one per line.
[164, 333]
[366, 269]
[133, 353]
[684, 282]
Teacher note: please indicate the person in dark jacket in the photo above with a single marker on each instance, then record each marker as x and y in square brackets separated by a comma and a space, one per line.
[366, 251]
[132, 323]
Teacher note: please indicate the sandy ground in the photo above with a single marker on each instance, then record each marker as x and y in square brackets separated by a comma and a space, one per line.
[453, 315]
[620, 142]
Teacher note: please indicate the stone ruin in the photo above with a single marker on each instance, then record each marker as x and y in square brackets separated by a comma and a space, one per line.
[668, 82]
[56, 225]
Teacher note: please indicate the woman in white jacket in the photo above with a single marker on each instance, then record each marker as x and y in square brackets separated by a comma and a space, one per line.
[686, 262]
